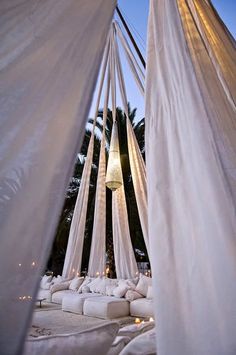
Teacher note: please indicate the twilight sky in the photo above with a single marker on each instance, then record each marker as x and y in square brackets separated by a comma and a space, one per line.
[136, 14]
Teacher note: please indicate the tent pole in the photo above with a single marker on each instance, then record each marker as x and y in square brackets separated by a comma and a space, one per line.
[131, 37]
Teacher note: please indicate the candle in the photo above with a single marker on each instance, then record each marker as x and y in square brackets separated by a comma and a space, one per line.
[137, 321]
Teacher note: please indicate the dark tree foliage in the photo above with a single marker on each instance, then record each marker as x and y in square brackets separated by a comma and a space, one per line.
[56, 260]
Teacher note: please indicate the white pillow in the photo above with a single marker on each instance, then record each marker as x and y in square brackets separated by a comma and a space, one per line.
[149, 292]
[45, 279]
[110, 289]
[96, 340]
[57, 280]
[128, 283]
[46, 286]
[76, 283]
[142, 286]
[106, 282]
[60, 286]
[132, 295]
[93, 285]
[85, 289]
[86, 282]
[101, 286]
[120, 291]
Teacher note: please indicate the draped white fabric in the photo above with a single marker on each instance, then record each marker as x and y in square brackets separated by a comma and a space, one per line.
[125, 263]
[138, 170]
[74, 251]
[97, 258]
[50, 53]
[134, 66]
[126, 266]
[191, 161]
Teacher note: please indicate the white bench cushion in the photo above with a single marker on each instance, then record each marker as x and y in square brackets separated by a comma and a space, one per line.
[106, 307]
[141, 307]
[57, 297]
[74, 303]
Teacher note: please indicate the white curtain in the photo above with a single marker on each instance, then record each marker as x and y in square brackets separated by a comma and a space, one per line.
[50, 54]
[137, 166]
[191, 166]
[97, 258]
[125, 263]
[126, 266]
[74, 251]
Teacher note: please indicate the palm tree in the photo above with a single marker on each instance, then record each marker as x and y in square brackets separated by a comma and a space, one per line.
[61, 238]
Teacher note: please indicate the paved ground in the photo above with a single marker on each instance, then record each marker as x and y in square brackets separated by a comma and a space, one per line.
[50, 319]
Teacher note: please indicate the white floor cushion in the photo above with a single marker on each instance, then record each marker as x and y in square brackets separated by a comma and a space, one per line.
[134, 330]
[106, 307]
[144, 344]
[74, 303]
[96, 340]
[141, 307]
[118, 344]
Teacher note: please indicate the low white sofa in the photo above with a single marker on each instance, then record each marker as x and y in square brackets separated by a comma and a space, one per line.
[101, 297]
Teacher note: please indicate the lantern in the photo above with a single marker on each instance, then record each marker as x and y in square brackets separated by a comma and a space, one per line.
[114, 172]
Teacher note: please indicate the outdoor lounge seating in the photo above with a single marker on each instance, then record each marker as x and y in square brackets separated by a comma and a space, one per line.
[102, 297]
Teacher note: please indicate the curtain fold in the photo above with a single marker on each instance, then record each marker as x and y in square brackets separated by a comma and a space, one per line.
[50, 53]
[126, 266]
[74, 251]
[125, 263]
[97, 258]
[191, 165]
[137, 166]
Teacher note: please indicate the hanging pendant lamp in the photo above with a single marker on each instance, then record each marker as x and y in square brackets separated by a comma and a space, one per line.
[114, 172]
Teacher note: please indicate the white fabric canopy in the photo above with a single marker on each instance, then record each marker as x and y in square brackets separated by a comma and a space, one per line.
[50, 53]
[137, 166]
[191, 166]
[97, 258]
[125, 263]
[74, 251]
[134, 66]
